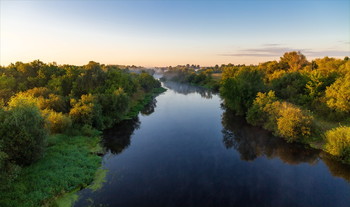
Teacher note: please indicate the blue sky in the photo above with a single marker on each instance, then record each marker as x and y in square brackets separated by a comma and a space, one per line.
[161, 33]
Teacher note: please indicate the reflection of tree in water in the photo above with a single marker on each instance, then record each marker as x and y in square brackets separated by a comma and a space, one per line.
[336, 168]
[117, 138]
[149, 108]
[185, 89]
[252, 142]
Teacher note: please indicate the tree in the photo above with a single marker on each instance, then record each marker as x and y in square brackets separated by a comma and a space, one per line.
[294, 60]
[338, 142]
[23, 133]
[239, 89]
[338, 94]
[86, 111]
[292, 87]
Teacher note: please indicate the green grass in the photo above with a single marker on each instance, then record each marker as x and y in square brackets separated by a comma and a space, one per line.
[69, 164]
[66, 200]
[100, 178]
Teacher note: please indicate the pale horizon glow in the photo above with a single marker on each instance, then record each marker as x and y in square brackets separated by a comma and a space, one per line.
[162, 33]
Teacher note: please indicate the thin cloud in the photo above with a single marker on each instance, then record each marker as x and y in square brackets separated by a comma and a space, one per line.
[274, 50]
[327, 53]
[271, 45]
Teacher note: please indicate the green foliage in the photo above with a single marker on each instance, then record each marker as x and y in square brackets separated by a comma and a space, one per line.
[114, 106]
[57, 121]
[22, 133]
[7, 82]
[284, 119]
[338, 142]
[34, 97]
[68, 165]
[291, 87]
[294, 60]
[100, 178]
[292, 123]
[240, 89]
[147, 82]
[86, 110]
[261, 113]
[43, 98]
[338, 94]
[327, 66]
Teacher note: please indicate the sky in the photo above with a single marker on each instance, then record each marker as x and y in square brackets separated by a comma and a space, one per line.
[168, 32]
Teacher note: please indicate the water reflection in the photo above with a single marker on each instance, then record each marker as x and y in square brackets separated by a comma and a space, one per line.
[117, 138]
[149, 108]
[185, 89]
[177, 158]
[336, 168]
[252, 142]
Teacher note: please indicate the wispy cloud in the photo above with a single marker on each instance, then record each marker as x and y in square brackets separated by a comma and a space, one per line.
[277, 50]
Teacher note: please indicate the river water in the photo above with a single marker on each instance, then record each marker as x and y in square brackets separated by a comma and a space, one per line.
[184, 149]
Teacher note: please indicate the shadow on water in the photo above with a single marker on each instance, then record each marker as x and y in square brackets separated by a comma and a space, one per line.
[177, 158]
[117, 138]
[253, 142]
[185, 89]
[149, 108]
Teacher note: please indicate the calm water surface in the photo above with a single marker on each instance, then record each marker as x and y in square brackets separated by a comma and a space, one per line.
[184, 149]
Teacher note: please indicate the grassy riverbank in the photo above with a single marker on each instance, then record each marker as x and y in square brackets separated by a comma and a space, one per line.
[71, 162]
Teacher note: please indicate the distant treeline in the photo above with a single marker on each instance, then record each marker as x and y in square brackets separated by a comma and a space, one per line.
[193, 75]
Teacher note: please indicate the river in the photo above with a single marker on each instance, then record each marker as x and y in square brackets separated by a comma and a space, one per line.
[185, 149]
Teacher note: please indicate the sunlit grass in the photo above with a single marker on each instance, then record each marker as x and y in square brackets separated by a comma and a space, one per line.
[68, 165]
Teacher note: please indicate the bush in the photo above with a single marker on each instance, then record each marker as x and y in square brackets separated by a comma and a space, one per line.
[57, 121]
[293, 123]
[86, 110]
[291, 87]
[338, 95]
[338, 142]
[147, 82]
[23, 133]
[283, 118]
[240, 88]
[261, 110]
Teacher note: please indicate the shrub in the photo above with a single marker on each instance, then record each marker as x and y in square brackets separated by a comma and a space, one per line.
[338, 142]
[291, 87]
[283, 118]
[147, 82]
[86, 111]
[293, 123]
[23, 133]
[261, 111]
[338, 94]
[240, 90]
[57, 121]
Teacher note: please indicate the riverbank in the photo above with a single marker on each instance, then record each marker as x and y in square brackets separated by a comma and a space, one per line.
[71, 162]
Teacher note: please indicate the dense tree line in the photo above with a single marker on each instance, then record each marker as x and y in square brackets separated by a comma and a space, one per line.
[39, 99]
[193, 75]
[296, 99]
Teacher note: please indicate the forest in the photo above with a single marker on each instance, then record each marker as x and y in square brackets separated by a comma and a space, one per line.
[50, 121]
[51, 116]
[298, 100]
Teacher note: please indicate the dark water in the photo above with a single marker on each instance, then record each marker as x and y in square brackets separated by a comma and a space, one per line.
[185, 150]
